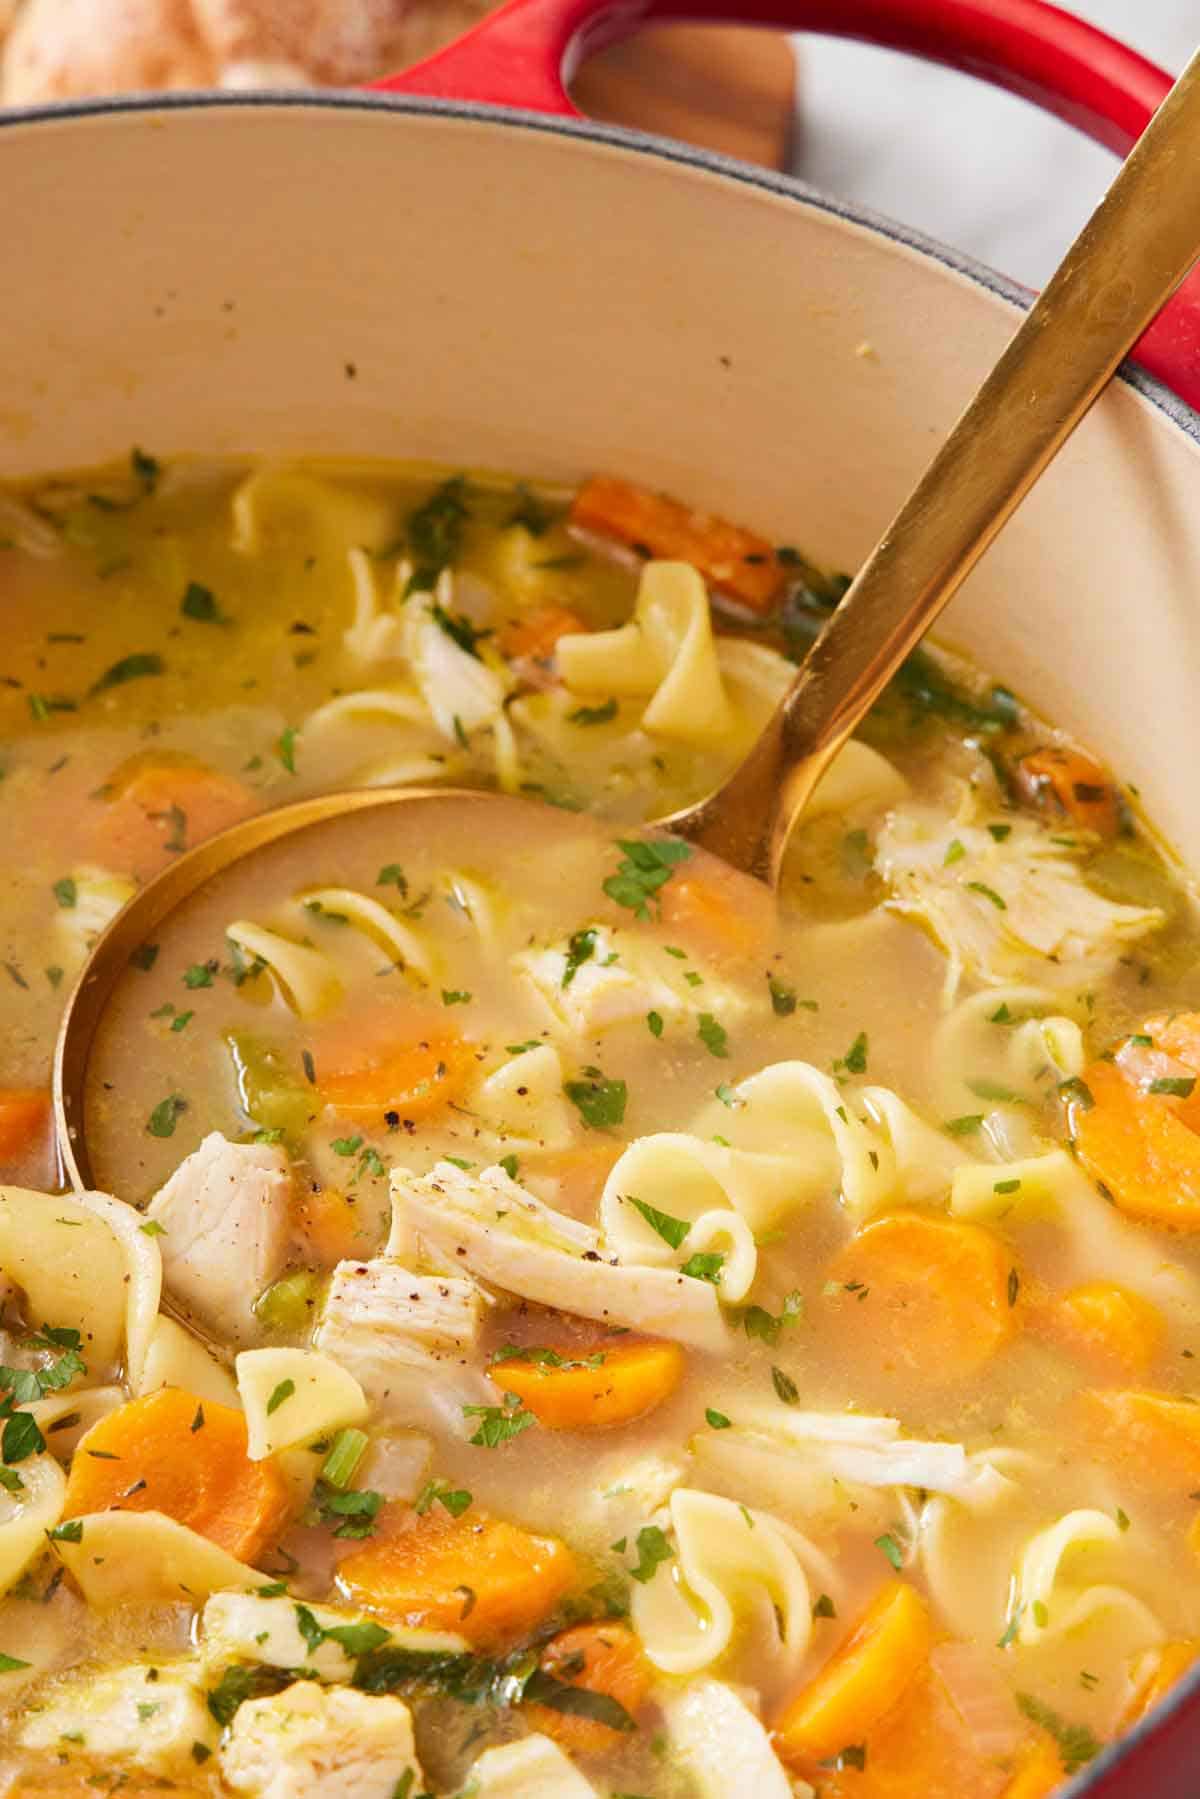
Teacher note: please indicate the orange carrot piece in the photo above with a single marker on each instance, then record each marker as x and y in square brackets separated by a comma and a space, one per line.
[933, 1294]
[1161, 1668]
[174, 1453]
[1139, 1149]
[415, 1080]
[328, 1222]
[725, 917]
[1153, 1438]
[534, 637]
[919, 1749]
[24, 1121]
[1109, 1324]
[156, 802]
[601, 1658]
[1070, 785]
[1179, 1036]
[631, 1380]
[736, 562]
[481, 1576]
[1040, 1774]
[861, 1682]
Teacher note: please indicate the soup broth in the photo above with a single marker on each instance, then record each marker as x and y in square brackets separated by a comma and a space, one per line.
[563, 1321]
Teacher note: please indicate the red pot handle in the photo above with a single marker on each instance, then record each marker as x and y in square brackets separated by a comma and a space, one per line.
[518, 57]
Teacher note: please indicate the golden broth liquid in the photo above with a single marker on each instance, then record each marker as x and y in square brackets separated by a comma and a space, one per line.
[903, 1235]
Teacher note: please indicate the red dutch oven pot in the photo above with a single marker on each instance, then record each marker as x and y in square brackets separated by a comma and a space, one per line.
[458, 266]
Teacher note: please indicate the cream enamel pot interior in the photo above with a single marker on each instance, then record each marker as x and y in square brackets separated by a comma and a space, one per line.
[375, 276]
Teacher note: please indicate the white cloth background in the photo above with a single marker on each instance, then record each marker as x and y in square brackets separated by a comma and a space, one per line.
[979, 169]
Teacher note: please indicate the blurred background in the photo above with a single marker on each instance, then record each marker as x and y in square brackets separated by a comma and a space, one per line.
[978, 169]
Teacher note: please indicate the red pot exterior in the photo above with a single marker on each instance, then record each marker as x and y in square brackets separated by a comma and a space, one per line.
[519, 55]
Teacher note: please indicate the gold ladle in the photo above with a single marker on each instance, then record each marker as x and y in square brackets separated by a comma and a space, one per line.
[1125, 264]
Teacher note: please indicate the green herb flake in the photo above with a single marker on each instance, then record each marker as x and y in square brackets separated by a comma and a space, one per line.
[130, 668]
[499, 1423]
[152, 1228]
[1177, 1086]
[955, 851]
[653, 1549]
[599, 1101]
[646, 867]
[888, 1546]
[855, 1059]
[712, 1035]
[671, 1230]
[285, 748]
[1076, 1743]
[200, 974]
[785, 1387]
[783, 997]
[593, 715]
[66, 892]
[282, 1393]
[654, 1023]
[966, 1125]
[989, 894]
[1009, 1186]
[716, 1420]
[705, 1265]
[581, 947]
[455, 996]
[200, 603]
[165, 1116]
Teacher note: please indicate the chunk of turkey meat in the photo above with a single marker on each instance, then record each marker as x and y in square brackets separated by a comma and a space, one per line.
[225, 1215]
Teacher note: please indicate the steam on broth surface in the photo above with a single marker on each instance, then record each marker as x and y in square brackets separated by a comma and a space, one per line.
[564, 1325]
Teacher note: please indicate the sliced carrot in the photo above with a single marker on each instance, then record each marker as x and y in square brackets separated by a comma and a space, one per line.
[1153, 1438]
[171, 1452]
[736, 562]
[487, 1579]
[931, 1294]
[534, 637]
[628, 1380]
[603, 1658]
[727, 918]
[1140, 1150]
[1070, 785]
[414, 1080]
[1107, 1324]
[1160, 1670]
[329, 1225]
[24, 1121]
[919, 1749]
[1040, 1773]
[154, 807]
[1178, 1035]
[861, 1682]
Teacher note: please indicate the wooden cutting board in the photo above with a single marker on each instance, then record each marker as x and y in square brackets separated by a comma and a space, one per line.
[730, 88]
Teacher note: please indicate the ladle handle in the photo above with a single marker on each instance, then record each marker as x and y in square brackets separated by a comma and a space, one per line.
[1126, 262]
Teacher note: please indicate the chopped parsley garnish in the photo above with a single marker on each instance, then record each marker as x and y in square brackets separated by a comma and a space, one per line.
[454, 1500]
[581, 947]
[200, 603]
[200, 974]
[129, 668]
[599, 1101]
[646, 868]
[654, 1023]
[996, 1092]
[888, 1546]
[653, 1549]
[541, 1356]
[712, 1035]
[955, 851]
[152, 1228]
[510, 1165]
[352, 1514]
[855, 1059]
[1178, 1086]
[824, 1607]
[728, 1096]
[783, 997]
[499, 1423]
[66, 892]
[1000, 832]
[716, 1420]
[989, 894]
[671, 1230]
[705, 1265]
[460, 630]
[766, 1326]
[593, 715]
[392, 875]
[964, 1126]
[785, 1386]
[165, 1116]
[1009, 1186]
[70, 1532]
[285, 749]
[9, 1664]
[435, 532]
[1076, 1743]
[455, 996]
[281, 1394]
